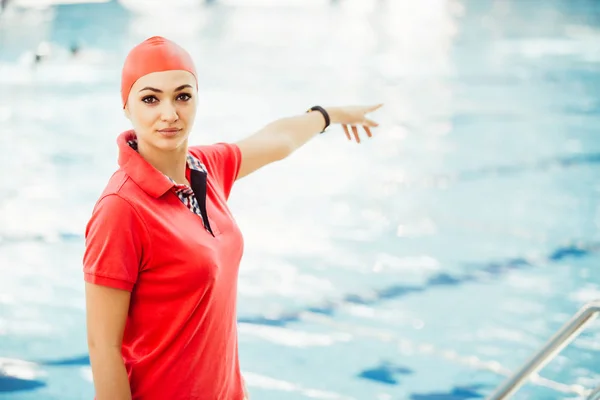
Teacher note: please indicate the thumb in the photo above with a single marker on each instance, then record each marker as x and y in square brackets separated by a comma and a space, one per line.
[375, 107]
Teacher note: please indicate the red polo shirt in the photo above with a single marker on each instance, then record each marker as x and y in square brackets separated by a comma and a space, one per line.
[180, 339]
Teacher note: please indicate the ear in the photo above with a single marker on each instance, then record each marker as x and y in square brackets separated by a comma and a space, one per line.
[126, 112]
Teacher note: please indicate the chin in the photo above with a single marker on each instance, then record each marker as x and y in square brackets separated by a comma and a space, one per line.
[169, 143]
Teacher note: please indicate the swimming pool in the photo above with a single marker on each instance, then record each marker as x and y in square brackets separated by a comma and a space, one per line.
[410, 267]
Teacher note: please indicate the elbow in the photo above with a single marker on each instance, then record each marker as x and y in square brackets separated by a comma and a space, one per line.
[285, 148]
[93, 346]
[101, 344]
[279, 149]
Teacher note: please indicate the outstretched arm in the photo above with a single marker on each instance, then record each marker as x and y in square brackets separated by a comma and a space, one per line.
[282, 137]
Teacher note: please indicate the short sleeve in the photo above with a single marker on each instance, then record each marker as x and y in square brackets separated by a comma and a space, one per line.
[222, 161]
[114, 244]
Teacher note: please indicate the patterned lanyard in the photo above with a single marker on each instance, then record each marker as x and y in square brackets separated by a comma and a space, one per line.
[194, 197]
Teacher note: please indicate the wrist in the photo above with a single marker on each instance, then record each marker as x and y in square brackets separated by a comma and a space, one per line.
[334, 114]
[324, 113]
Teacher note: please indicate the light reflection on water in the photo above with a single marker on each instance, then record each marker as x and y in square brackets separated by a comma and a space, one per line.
[469, 223]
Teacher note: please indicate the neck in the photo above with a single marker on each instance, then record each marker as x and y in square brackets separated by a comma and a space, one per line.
[171, 163]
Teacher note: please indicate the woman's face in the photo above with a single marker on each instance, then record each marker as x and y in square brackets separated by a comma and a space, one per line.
[162, 108]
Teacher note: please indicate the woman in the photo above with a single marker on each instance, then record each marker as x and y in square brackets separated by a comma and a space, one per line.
[162, 248]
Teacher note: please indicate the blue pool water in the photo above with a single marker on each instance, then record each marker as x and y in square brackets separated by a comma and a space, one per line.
[423, 264]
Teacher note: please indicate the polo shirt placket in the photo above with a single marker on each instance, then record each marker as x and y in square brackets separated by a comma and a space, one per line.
[193, 197]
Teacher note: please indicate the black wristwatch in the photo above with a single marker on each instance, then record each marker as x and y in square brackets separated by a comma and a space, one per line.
[325, 115]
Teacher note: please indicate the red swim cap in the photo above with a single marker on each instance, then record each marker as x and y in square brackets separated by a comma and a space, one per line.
[155, 54]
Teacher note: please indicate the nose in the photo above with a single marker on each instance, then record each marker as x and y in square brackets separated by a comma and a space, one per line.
[169, 112]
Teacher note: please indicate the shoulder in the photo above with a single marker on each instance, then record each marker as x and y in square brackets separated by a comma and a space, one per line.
[222, 161]
[121, 199]
[217, 153]
[121, 185]
[117, 210]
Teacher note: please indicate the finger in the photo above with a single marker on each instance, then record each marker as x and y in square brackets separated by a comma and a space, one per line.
[366, 128]
[346, 131]
[370, 123]
[355, 131]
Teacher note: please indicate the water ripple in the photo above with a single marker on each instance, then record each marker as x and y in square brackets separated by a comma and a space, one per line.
[480, 273]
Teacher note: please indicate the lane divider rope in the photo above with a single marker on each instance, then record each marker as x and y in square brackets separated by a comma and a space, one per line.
[471, 361]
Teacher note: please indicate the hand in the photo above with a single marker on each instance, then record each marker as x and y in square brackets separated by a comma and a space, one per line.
[354, 116]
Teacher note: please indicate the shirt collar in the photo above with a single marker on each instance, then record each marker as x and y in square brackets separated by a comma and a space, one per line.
[148, 178]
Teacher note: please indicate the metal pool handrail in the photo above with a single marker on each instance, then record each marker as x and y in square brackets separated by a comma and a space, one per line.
[567, 333]
[595, 395]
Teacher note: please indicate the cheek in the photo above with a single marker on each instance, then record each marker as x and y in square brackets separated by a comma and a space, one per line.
[188, 112]
[143, 116]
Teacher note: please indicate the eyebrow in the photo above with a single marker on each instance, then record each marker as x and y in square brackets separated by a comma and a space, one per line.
[160, 91]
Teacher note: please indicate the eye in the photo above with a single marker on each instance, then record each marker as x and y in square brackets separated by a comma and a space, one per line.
[149, 99]
[184, 97]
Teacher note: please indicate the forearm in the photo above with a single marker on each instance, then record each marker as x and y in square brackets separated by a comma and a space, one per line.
[110, 376]
[281, 138]
[296, 131]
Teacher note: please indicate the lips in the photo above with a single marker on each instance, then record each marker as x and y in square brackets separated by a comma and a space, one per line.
[169, 132]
